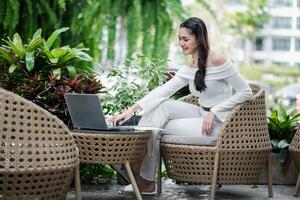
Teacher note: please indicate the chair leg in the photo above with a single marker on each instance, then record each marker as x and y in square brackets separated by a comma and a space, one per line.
[215, 175]
[133, 182]
[159, 174]
[297, 186]
[77, 183]
[269, 172]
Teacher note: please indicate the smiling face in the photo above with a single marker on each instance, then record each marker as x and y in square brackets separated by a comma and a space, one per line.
[187, 41]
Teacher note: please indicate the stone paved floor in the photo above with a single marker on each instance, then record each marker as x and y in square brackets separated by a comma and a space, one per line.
[172, 191]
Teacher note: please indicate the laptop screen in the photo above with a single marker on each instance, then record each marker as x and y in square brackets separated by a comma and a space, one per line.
[85, 111]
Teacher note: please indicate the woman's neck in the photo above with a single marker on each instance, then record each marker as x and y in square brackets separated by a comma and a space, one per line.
[195, 59]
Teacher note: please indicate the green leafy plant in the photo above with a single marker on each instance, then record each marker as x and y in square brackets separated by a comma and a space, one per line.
[94, 173]
[152, 70]
[282, 127]
[42, 72]
[133, 80]
[148, 24]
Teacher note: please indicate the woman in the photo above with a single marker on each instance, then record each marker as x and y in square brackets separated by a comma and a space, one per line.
[211, 77]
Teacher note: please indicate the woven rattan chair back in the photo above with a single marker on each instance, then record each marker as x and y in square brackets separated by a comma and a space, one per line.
[242, 149]
[37, 152]
[294, 149]
[244, 141]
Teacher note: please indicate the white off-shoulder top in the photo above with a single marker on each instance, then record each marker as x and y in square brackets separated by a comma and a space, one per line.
[225, 89]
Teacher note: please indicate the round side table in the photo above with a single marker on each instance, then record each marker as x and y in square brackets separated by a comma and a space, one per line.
[103, 147]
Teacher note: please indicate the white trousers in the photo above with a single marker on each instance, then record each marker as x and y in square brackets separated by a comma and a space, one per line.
[167, 115]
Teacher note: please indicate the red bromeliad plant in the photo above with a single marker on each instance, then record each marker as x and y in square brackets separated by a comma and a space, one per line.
[42, 74]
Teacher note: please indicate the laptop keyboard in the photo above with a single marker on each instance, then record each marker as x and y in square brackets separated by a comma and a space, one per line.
[110, 128]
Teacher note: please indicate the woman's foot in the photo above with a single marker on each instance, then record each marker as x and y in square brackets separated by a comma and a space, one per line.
[145, 186]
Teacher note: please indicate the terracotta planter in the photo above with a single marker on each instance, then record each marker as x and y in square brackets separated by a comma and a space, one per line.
[281, 174]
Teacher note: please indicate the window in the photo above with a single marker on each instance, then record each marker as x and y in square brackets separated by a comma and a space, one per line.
[281, 44]
[259, 44]
[297, 44]
[282, 22]
[298, 23]
[258, 61]
[235, 2]
[281, 64]
[280, 3]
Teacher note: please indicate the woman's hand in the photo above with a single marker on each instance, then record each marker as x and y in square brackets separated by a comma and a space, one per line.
[121, 118]
[207, 123]
[126, 115]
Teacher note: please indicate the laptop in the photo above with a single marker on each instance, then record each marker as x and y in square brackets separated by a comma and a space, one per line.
[87, 114]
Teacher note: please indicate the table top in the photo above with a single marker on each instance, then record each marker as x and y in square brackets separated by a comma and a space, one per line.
[101, 133]
[138, 131]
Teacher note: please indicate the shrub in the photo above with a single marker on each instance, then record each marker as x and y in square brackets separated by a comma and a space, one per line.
[42, 74]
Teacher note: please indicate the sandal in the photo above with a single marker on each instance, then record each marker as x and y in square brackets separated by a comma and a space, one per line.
[129, 190]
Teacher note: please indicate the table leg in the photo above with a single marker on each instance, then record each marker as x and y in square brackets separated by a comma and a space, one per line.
[77, 183]
[159, 174]
[133, 182]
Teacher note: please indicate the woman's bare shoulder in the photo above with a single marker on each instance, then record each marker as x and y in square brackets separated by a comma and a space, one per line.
[216, 59]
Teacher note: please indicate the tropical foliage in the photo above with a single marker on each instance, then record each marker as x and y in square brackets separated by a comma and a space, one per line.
[133, 81]
[147, 24]
[282, 127]
[273, 75]
[42, 73]
[94, 173]
[247, 24]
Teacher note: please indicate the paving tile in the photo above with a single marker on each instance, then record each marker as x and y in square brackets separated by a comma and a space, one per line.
[172, 191]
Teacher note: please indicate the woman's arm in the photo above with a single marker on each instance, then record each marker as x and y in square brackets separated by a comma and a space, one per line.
[124, 116]
[242, 93]
[152, 99]
[162, 93]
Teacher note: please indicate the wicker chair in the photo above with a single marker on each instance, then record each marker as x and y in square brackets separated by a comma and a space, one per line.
[242, 149]
[294, 149]
[38, 155]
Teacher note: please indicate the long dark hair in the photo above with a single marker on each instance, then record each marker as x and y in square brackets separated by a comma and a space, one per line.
[198, 28]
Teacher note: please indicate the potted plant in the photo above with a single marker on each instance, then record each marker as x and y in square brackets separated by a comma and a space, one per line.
[282, 124]
[282, 127]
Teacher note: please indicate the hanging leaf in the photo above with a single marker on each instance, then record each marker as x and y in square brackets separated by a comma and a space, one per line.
[12, 68]
[37, 34]
[16, 45]
[59, 52]
[54, 35]
[57, 73]
[30, 60]
[54, 60]
[18, 42]
[5, 55]
[72, 71]
[34, 43]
